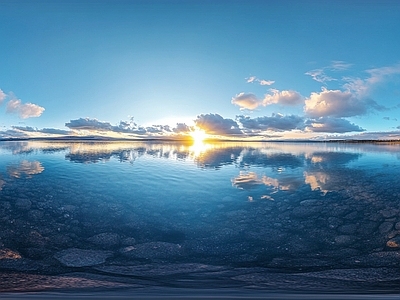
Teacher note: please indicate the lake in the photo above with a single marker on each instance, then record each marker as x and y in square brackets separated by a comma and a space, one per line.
[246, 217]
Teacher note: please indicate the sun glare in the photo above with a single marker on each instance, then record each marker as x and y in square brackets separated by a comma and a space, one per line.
[198, 136]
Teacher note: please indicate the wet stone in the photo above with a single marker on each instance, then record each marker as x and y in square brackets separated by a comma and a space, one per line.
[385, 227]
[376, 259]
[348, 229]
[397, 226]
[389, 212]
[105, 240]
[74, 257]
[394, 242]
[364, 274]
[152, 250]
[159, 270]
[128, 241]
[23, 204]
[342, 240]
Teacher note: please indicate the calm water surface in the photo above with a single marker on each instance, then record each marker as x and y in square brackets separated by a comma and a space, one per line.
[267, 216]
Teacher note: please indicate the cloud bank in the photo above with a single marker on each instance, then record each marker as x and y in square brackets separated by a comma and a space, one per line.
[216, 125]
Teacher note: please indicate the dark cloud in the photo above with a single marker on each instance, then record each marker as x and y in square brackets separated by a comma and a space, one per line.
[327, 124]
[96, 125]
[182, 128]
[12, 133]
[44, 130]
[215, 124]
[276, 122]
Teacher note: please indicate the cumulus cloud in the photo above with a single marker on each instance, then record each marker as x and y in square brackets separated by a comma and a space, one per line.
[331, 125]
[246, 101]
[126, 127]
[250, 101]
[96, 125]
[182, 128]
[282, 97]
[2, 96]
[217, 125]
[276, 122]
[27, 110]
[89, 124]
[336, 103]
[260, 81]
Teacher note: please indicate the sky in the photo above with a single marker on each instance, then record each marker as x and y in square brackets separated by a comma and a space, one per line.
[235, 69]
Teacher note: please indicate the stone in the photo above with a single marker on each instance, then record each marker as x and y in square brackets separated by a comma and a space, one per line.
[385, 227]
[105, 240]
[159, 270]
[23, 203]
[344, 240]
[74, 257]
[152, 250]
[394, 242]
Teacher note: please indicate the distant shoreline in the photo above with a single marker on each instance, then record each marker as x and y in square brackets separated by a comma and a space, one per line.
[102, 139]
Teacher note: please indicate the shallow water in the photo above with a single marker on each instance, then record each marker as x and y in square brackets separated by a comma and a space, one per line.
[310, 217]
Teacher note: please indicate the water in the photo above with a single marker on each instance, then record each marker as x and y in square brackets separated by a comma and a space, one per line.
[310, 217]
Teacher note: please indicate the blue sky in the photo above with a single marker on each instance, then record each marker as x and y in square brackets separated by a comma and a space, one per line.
[257, 69]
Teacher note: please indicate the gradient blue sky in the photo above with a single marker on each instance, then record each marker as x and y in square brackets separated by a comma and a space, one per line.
[281, 69]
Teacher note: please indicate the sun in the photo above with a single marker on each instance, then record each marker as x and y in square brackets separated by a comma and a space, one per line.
[198, 136]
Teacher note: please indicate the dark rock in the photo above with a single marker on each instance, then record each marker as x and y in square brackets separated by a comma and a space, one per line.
[363, 274]
[152, 250]
[23, 203]
[105, 240]
[385, 227]
[74, 257]
[159, 270]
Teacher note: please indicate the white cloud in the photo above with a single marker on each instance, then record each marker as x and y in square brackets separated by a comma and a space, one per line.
[363, 87]
[27, 110]
[319, 75]
[2, 96]
[327, 124]
[336, 103]
[282, 97]
[339, 65]
[251, 79]
[246, 101]
[260, 81]
[266, 82]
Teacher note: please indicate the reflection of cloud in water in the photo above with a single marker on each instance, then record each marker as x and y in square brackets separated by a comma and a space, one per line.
[31, 146]
[255, 157]
[2, 183]
[332, 158]
[217, 157]
[25, 167]
[248, 180]
[317, 181]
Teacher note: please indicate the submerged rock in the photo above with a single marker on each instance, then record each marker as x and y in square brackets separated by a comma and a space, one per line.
[74, 257]
[159, 270]
[153, 250]
[105, 240]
